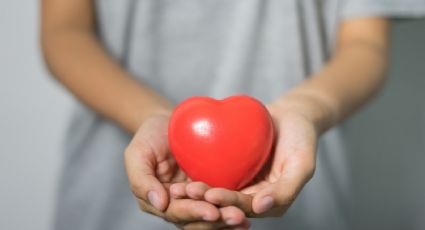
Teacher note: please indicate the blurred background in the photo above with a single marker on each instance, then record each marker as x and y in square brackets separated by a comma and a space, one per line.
[387, 139]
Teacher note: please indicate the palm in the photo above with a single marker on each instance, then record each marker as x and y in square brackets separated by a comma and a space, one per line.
[295, 141]
[166, 168]
[151, 169]
[289, 168]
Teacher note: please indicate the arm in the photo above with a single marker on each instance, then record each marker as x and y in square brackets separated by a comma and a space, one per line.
[76, 58]
[351, 77]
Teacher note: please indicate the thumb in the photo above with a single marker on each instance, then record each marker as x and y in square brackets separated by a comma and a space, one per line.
[281, 194]
[276, 196]
[140, 165]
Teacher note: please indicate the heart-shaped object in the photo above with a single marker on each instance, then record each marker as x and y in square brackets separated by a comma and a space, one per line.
[223, 143]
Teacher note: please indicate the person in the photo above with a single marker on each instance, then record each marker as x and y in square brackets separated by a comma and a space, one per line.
[313, 63]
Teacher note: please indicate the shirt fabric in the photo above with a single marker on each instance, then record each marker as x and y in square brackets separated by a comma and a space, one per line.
[216, 48]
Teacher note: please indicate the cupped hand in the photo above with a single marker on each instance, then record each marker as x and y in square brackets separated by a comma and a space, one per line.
[290, 167]
[151, 169]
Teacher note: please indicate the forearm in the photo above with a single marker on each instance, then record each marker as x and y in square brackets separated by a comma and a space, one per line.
[79, 62]
[349, 80]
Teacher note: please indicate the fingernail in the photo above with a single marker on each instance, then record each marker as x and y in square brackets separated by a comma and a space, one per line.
[207, 217]
[231, 222]
[265, 204]
[154, 199]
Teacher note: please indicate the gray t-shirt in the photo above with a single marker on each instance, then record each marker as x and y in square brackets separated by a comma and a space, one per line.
[216, 48]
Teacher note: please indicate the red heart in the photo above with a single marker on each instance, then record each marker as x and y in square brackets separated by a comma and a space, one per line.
[223, 143]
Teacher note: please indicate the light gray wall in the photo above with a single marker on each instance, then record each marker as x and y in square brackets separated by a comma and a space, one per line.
[388, 150]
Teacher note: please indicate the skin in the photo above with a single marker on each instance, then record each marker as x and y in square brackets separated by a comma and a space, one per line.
[76, 58]
[352, 76]
[303, 115]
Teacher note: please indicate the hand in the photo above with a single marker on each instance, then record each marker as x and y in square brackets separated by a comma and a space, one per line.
[151, 168]
[291, 166]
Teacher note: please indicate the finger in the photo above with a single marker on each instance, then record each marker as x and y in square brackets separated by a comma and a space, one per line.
[166, 169]
[182, 211]
[145, 206]
[179, 176]
[223, 197]
[204, 226]
[178, 190]
[255, 188]
[232, 216]
[241, 227]
[235, 228]
[140, 162]
[245, 224]
[296, 172]
[213, 226]
[196, 190]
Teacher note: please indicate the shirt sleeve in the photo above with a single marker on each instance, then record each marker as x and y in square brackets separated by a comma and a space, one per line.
[383, 8]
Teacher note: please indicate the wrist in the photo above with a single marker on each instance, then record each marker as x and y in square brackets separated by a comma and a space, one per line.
[139, 115]
[307, 106]
[164, 111]
[157, 109]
